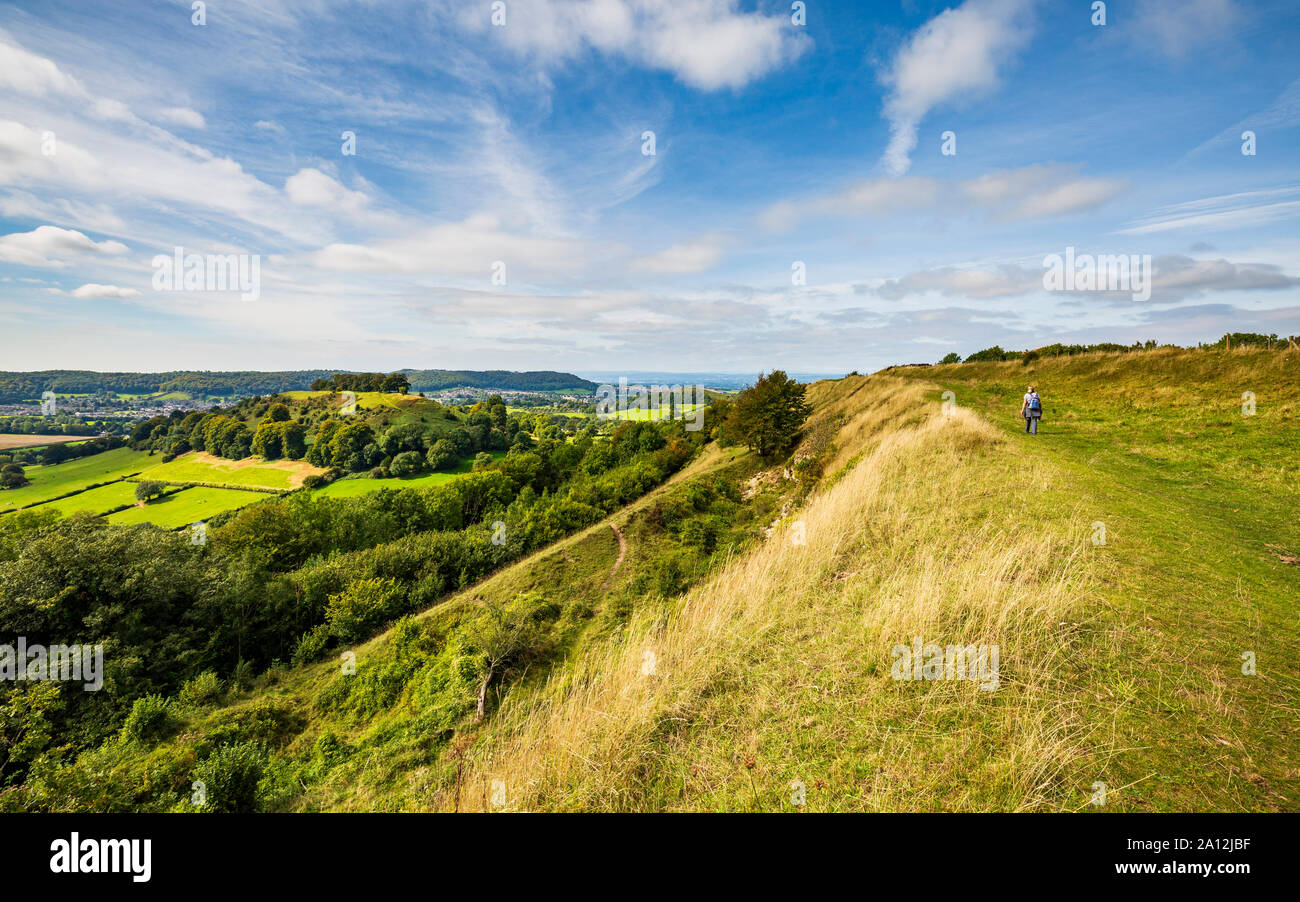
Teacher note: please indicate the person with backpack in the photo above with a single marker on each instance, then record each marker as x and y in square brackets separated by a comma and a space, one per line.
[1032, 410]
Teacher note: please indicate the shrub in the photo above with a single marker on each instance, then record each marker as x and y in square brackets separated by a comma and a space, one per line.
[204, 689]
[362, 607]
[314, 481]
[311, 645]
[230, 777]
[150, 719]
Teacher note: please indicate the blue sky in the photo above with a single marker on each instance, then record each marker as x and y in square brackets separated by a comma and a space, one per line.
[521, 144]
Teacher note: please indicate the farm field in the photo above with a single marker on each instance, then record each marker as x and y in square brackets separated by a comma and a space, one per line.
[201, 467]
[60, 479]
[659, 413]
[363, 485]
[11, 440]
[95, 501]
[186, 506]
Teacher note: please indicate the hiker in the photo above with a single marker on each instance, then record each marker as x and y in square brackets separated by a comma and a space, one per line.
[1031, 410]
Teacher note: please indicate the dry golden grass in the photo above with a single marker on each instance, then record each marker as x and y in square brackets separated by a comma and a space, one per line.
[778, 669]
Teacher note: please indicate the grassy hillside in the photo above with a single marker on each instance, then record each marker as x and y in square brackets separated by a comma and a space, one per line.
[253, 472]
[729, 641]
[1121, 664]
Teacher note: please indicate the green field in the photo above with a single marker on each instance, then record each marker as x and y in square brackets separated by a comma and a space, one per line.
[95, 501]
[660, 413]
[198, 467]
[363, 485]
[187, 506]
[60, 479]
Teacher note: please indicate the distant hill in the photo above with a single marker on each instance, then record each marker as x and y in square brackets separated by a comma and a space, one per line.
[19, 386]
[533, 380]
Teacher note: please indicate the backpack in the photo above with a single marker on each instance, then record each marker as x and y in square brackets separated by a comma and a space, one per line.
[1035, 406]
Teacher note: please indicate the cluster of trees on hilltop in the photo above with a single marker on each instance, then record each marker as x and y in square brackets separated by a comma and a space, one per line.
[539, 380]
[996, 353]
[285, 579]
[408, 449]
[386, 382]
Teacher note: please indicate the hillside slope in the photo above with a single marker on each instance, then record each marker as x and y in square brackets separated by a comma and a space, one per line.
[1120, 664]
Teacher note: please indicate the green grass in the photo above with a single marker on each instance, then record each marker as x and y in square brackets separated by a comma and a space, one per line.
[60, 479]
[654, 413]
[1199, 504]
[253, 472]
[187, 506]
[363, 484]
[95, 501]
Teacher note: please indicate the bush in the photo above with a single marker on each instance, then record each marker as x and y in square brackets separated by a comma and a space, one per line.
[311, 645]
[362, 607]
[408, 463]
[150, 719]
[230, 777]
[951, 357]
[204, 689]
[314, 481]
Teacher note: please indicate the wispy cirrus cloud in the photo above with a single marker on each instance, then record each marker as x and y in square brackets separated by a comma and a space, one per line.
[1226, 211]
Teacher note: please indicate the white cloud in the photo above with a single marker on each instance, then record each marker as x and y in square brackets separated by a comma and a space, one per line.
[982, 284]
[1040, 192]
[1029, 192]
[42, 245]
[184, 116]
[872, 196]
[708, 44]
[313, 188]
[957, 53]
[683, 259]
[468, 248]
[1180, 26]
[34, 76]
[91, 290]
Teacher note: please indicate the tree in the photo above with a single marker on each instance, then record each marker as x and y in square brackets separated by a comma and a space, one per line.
[149, 489]
[951, 357]
[501, 634]
[442, 456]
[482, 460]
[12, 476]
[408, 463]
[767, 416]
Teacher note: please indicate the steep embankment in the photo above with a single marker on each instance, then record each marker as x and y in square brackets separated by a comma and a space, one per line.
[1121, 664]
